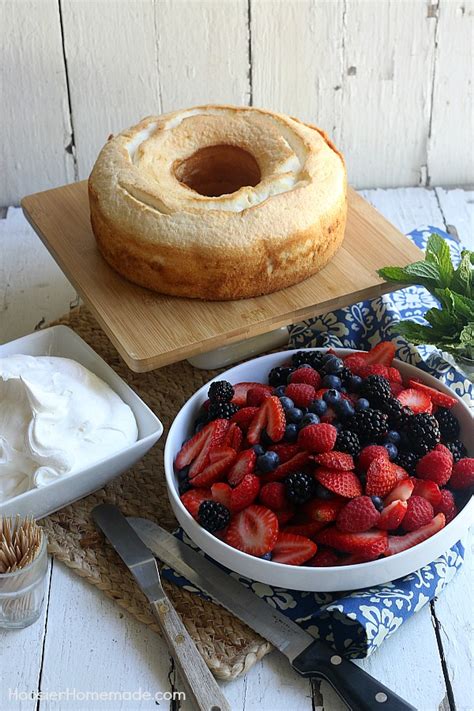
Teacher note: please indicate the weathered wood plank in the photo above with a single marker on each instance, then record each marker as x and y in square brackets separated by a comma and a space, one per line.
[451, 149]
[34, 115]
[33, 290]
[111, 57]
[407, 208]
[457, 207]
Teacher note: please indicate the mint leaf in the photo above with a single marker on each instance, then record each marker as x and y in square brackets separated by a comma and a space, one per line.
[442, 319]
[463, 306]
[438, 254]
[426, 273]
[463, 277]
[397, 274]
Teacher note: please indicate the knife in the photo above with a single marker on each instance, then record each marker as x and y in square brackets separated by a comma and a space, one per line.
[200, 685]
[309, 657]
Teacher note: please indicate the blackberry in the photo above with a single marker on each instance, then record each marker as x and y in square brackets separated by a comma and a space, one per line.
[407, 460]
[376, 389]
[348, 441]
[448, 424]
[457, 449]
[279, 376]
[422, 433]
[221, 410]
[368, 424]
[299, 487]
[312, 358]
[398, 414]
[222, 391]
[345, 376]
[183, 481]
[213, 516]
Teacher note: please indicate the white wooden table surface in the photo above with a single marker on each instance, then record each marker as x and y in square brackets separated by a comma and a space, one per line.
[84, 643]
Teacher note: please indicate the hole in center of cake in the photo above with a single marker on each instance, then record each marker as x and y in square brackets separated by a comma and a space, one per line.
[218, 170]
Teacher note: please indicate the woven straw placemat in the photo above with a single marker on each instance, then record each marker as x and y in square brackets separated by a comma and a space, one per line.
[228, 646]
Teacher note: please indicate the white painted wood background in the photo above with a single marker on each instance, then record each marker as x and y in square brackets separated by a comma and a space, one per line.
[83, 641]
[390, 80]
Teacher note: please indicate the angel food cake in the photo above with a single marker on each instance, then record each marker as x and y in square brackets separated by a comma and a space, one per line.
[218, 202]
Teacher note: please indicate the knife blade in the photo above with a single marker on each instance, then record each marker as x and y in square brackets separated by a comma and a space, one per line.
[309, 657]
[200, 685]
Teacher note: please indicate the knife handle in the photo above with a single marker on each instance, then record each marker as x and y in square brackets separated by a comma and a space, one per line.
[201, 687]
[359, 690]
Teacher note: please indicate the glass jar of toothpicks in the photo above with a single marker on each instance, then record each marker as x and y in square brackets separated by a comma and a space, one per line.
[23, 567]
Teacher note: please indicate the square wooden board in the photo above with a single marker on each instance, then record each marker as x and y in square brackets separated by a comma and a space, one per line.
[151, 330]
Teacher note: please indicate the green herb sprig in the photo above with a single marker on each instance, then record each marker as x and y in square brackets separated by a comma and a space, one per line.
[450, 327]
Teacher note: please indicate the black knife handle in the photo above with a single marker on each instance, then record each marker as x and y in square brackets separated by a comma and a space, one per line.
[359, 690]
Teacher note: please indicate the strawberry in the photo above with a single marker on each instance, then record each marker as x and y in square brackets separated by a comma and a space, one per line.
[436, 465]
[355, 362]
[309, 376]
[301, 394]
[324, 558]
[383, 353]
[272, 495]
[369, 544]
[446, 505]
[358, 515]
[400, 472]
[416, 400]
[322, 510]
[241, 390]
[381, 477]
[374, 369]
[244, 417]
[429, 490]
[344, 484]
[396, 544]
[285, 451]
[233, 437]
[402, 491]
[368, 454]
[396, 388]
[284, 515]
[436, 397]
[270, 416]
[317, 438]
[336, 460]
[419, 512]
[463, 474]
[212, 433]
[392, 515]
[245, 493]
[253, 530]
[293, 550]
[193, 498]
[294, 464]
[215, 438]
[220, 460]
[256, 396]
[309, 529]
[220, 492]
[243, 464]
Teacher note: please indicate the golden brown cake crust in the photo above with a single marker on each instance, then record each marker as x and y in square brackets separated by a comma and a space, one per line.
[160, 220]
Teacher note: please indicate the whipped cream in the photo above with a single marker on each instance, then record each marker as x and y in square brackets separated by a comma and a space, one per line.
[56, 418]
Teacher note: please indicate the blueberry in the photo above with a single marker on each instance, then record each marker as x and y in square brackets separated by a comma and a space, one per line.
[362, 404]
[321, 492]
[334, 365]
[310, 419]
[345, 408]
[184, 486]
[327, 357]
[258, 449]
[291, 433]
[294, 414]
[377, 502]
[280, 390]
[392, 450]
[332, 381]
[286, 402]
[266, 556]
[331, 397]
[183, 474]
[265, 439]
[354, 383]
[268, 462]
[319, 407]
[393, 436]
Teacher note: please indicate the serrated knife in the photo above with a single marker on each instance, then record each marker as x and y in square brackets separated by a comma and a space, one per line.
[201, 687]
[309, 657]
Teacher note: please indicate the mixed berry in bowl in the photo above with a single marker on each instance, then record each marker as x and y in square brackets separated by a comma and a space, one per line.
[333, 461]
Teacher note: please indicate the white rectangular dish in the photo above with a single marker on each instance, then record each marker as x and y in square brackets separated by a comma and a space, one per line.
[62, 341]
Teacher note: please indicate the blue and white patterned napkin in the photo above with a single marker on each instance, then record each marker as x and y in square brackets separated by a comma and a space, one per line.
[357, 623]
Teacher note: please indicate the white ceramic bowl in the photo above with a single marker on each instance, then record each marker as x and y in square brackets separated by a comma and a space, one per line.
[328, 579]
[62, 341]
